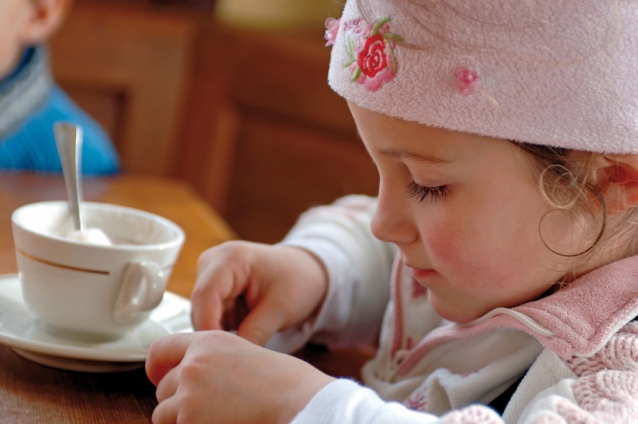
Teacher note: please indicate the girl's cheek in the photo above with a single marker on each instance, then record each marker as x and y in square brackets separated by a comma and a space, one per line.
[442, 246]
[457, 253]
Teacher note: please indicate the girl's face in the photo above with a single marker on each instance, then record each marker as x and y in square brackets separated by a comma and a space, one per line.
[465, 212]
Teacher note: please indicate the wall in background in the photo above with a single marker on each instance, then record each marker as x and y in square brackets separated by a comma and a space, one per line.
[244, 114]
[278, 13]
[202, 5]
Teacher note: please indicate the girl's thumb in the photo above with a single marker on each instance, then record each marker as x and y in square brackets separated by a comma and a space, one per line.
[261, 324]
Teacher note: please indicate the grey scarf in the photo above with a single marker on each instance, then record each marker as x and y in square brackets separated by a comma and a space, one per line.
[24, 92]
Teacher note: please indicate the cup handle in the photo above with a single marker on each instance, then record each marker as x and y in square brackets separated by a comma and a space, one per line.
[141, 290]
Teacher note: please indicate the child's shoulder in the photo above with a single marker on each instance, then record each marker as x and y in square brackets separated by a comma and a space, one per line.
[99, 154]
[30, 103]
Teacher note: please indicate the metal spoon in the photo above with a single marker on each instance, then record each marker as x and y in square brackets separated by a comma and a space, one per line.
[68, 138]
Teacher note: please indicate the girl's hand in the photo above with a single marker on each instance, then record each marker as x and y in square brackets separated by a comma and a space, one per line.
[256, 288]
[215, 376]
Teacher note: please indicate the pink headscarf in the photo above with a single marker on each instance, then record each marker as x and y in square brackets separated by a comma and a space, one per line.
[558, 73]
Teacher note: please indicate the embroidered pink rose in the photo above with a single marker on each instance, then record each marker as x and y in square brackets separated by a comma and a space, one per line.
[373, 58]
[467, 80]
[356, 26]
[332, 27]
[370, 49]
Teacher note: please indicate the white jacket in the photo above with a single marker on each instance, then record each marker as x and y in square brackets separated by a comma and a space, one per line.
[577, 349]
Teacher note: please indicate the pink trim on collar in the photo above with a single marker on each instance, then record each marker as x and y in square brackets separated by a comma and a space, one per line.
[398, 306]
[583, 316]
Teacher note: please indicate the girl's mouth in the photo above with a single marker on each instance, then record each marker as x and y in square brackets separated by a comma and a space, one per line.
[420, 274]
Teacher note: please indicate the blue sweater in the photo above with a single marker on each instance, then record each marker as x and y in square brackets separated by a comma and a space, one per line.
[30, 103]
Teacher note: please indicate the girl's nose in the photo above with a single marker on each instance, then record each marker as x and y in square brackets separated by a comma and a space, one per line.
[393, 220]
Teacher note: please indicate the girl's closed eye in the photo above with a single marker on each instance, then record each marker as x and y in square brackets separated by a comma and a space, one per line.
[420, 192]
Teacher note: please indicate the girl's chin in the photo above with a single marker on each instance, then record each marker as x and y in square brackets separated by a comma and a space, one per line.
[453, 313]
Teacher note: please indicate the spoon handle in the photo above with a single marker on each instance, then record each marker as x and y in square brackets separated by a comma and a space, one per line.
[68, 138]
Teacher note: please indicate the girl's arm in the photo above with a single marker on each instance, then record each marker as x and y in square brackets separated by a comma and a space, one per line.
[358, 267]
[329, 279]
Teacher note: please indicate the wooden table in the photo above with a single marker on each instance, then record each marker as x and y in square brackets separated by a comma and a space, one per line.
[32, 393]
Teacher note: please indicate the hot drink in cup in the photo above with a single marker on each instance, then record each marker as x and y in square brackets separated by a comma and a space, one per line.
[98, 284]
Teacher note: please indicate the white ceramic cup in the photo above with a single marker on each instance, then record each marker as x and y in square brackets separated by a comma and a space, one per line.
[88, 291]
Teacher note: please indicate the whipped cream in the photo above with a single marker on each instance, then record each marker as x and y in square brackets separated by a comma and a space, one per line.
[90, 236]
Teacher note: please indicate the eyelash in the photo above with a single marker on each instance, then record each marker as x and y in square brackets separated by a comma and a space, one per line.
[420, 192]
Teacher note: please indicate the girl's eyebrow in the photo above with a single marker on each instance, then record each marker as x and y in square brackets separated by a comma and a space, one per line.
[406, 154]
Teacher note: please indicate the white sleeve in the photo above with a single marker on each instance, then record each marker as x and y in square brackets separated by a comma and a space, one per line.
[358, 266]
[345, 402]
[600, 395]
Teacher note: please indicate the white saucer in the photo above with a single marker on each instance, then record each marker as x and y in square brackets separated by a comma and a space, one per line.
[18, 330]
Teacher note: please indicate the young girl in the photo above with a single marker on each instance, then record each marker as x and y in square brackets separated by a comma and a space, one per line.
[505, 134]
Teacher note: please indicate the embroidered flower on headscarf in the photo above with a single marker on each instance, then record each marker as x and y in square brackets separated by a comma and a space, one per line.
[373, 58]
[332, 27]
[370, 50]
[467, 80]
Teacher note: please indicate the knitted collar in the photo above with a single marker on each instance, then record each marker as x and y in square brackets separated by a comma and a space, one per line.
[575, 321]
[25, 90]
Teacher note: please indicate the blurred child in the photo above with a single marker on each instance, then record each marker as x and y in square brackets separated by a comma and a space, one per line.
[30, 101]
[506, 138]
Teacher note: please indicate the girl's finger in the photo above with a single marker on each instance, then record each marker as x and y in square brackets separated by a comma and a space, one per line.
[167, 387]
[207, 311]
[213, 289]
[262, 322]
[166, 412]
[165, 354]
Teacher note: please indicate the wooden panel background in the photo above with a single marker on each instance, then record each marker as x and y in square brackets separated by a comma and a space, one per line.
[130, 69]
[245, 116]
[291, 168]
[278, 140]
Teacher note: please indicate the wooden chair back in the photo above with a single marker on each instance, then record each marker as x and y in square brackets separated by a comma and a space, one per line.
[129, 69]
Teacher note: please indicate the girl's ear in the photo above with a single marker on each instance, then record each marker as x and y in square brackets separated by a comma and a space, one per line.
[45, 16]
[618, 181]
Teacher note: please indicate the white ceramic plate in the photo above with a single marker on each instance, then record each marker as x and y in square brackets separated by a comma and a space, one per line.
[19, 330]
